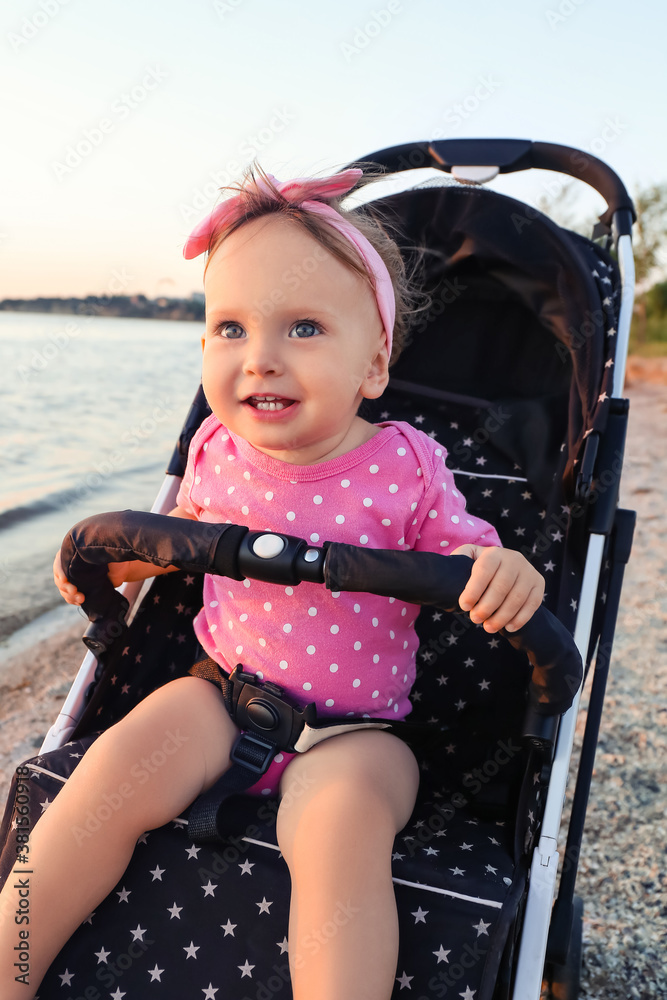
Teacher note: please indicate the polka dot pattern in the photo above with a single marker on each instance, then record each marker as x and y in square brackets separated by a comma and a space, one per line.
[352, 654]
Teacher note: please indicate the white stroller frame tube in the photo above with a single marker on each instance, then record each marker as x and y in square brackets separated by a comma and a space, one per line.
[72, 710]
[537, 918]
[532, 951]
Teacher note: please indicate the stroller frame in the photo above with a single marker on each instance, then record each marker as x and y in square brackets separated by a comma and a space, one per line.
[475, 161]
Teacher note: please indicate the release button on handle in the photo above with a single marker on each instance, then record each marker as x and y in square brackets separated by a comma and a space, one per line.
[268, 546]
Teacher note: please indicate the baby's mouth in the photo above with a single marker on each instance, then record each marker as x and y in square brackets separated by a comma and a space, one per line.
[269, 402]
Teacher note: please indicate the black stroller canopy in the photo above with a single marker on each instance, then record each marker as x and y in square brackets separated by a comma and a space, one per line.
[511, 288]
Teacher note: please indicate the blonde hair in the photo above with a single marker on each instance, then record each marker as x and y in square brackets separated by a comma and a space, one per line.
[258, 203]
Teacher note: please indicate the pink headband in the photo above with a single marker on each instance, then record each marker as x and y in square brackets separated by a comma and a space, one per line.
[301, 192]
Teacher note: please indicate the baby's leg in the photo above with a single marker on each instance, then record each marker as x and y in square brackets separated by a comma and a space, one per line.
[343, 803]
[155, 762]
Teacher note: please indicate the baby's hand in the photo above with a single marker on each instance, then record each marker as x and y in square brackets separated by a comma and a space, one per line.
[504, 590]
[116, 572]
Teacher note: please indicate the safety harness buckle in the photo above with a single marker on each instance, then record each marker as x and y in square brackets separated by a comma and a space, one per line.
[260, 707]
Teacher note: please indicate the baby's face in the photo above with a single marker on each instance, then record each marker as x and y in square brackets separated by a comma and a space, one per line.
[293, 342]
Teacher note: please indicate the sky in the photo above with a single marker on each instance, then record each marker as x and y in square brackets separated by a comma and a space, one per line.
[120, 120]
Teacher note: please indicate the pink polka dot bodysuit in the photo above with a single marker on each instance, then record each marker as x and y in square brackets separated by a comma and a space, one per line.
[352, 654]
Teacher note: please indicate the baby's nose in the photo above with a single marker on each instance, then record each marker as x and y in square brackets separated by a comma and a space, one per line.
[262, 360]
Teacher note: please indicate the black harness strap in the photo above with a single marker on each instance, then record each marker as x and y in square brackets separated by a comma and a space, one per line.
[274, 726]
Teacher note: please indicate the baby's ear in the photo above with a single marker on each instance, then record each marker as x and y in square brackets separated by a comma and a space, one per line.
[377, 376]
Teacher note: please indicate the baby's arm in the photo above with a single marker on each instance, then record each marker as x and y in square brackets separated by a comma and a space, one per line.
[504, 590]
[121, 572]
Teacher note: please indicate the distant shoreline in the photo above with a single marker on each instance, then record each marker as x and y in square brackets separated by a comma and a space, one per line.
[129, 306]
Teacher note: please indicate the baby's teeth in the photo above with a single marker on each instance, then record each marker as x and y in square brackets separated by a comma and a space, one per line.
[270, 406]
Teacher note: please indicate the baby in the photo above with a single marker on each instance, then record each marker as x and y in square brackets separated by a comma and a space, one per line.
[306, 306]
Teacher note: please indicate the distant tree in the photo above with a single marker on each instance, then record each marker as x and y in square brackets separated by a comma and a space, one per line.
[650, 249]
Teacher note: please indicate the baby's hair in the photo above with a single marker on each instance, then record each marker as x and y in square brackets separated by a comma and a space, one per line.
[409, 300]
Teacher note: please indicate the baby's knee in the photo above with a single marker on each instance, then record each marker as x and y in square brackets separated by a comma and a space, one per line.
[361, 781]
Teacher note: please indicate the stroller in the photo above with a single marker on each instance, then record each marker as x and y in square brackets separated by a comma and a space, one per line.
[517, 369]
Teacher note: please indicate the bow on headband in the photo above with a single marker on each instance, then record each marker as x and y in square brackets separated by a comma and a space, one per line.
[307, 193]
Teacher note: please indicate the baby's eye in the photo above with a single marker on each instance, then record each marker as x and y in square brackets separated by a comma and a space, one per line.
[303, 330]
[232, 331]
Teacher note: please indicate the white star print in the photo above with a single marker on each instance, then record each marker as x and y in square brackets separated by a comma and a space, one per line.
[573, 604]
[491, 870]
[469, 662]
[405, 980]
[420, 915]
[210, 991]
[157, 873]
[191, 950]
[469, 994]
[228, 928]
[102, 955]
[66, 977]
[155, 973]
[549, 566]
[45, 804]
[419, 419]
[484, 685]
[430, 850]
[123, 895]
[494, 841]
[264, 906]
[209, 889]
[193, 851]
[117, 995]
[397, 856]
[457, 871]
[245, 870]
[481, 927]
[246, 969]
[441, 954]
[487, 493]
[138, 933]
[283, 945]
[465, 847]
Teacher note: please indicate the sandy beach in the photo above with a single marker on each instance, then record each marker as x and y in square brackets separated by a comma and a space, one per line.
[622, 873]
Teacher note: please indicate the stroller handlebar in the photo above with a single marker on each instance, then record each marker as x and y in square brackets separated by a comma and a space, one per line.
[232, 550]
[511, 155]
